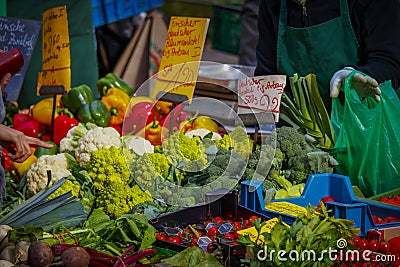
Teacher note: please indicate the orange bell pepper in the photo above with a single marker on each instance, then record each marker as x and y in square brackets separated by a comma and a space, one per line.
[116, 102]
[154, 132]
[164, 107]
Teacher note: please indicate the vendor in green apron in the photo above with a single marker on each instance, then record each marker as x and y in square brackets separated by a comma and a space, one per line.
[330, 39]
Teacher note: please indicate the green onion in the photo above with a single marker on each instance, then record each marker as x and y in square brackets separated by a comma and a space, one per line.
[307, 110]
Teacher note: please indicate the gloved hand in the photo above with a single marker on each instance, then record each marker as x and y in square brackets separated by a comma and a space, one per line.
[364, 85]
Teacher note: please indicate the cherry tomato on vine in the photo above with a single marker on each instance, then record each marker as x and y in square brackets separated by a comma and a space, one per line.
[174, 239]
[160, 236]
[253, 218]
[374, 245]
[229, 236]
[218, 220]
[213, 231]
[384, 247]
[363, 244]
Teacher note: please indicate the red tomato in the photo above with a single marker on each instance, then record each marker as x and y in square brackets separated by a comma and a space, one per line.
[384, 247]
[389, 219]
[328, 199]
[374, 245]
[237, 226]
[229, 236]
[194, 241]
[161, 236]
[218, 220]
[253, 218]
[213, 231]
[394, 244]
[363, 244]
[236, 235]
[376, 219]
[174, 239]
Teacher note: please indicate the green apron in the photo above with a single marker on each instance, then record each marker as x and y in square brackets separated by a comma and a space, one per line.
[321, 49]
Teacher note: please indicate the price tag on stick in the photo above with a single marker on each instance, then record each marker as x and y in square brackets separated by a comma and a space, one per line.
[261, 94]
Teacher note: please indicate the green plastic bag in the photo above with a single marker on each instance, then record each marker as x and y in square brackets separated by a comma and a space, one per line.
[367, 144]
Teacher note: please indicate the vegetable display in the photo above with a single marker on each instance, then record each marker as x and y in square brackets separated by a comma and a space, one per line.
[120, 162]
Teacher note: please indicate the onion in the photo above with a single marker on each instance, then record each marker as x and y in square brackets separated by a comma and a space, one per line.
[8, 254]
[3, 233]
[22, 248]
[4, 263]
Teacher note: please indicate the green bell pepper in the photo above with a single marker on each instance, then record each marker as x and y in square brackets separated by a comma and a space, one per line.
[77, 97]
[110, 80]
[40, 151]
[95, 112]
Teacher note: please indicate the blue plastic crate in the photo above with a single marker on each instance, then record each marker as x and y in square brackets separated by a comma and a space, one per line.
[156, 3]
[111, 12]
[346, 205]
[98, 16]
[125, 8]
[103, 12]
[141, 6]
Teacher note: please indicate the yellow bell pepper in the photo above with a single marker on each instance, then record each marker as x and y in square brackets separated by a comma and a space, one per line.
[43, 109]
[116, 102]
[23, 167]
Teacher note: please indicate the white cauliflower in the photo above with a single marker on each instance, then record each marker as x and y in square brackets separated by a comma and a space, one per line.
[37, 174]
[203, 132]
[96, 139]
[138, 144]
[70, 141]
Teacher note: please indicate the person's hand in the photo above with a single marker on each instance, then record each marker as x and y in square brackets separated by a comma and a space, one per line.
[363, 84]
[22, 150]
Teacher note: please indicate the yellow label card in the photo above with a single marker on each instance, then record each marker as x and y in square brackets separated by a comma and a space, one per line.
[56, 58]
[181, 56]
[286, 208]
[252, 232]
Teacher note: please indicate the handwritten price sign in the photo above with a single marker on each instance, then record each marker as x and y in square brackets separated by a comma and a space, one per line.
[56, 59]
[181, 55]
[260, 94]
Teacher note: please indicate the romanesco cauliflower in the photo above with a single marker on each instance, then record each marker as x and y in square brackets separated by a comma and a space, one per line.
[237, 140]
[37, 174]
[96, 139]
[107, 165]
[67, 186]
[110, 174]
[180, 148]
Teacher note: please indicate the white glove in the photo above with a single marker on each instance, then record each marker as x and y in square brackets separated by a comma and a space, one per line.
[364, 85]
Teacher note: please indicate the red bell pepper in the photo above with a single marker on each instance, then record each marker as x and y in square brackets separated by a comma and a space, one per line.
[5, 160]
[62, 124]
[26, 124]
[138, 117]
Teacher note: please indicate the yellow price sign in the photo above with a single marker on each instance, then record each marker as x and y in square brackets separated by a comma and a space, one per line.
[181, 56]
[56, 59]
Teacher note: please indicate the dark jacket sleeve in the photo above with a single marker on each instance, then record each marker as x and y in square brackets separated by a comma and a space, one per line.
[377, 24]
[268, 16]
